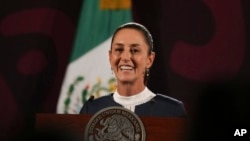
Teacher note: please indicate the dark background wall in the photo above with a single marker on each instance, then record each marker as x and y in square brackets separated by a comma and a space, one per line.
[202, 56]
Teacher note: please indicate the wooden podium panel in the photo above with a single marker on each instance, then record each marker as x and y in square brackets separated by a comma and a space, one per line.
[157, 128]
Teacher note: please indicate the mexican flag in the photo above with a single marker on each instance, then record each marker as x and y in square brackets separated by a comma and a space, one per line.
[88, 72]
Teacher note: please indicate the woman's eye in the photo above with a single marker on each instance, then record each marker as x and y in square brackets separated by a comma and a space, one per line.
[118, 49]
[134, 50]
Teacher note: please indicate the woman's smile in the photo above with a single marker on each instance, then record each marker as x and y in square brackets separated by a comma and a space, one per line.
[125, 67]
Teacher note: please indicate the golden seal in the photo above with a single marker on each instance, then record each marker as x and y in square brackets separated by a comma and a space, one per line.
[115, 124]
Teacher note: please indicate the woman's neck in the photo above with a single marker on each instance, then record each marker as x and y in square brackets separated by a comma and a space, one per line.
[128, 89]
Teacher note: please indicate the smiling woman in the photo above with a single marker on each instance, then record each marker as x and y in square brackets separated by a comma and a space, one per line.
[131, 55]
[130, 58]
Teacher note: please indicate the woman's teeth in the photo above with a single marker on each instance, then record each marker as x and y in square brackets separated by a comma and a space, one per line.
[126, 67]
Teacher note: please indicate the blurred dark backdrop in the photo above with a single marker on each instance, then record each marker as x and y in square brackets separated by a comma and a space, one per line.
[202, 52]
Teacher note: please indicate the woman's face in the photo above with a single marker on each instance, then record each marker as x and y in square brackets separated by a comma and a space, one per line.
[129, 56]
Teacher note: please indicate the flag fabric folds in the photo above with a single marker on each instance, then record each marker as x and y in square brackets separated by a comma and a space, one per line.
[88, 72]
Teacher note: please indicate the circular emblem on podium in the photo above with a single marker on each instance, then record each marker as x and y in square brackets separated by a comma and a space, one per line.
[115, 124]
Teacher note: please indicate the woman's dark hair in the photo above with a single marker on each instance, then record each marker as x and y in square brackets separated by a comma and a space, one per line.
[146, 34]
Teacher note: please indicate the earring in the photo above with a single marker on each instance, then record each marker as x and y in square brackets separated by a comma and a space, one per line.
[112, 71]
[147, 72]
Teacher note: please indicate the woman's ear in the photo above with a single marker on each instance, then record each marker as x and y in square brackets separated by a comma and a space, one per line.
[151, 58]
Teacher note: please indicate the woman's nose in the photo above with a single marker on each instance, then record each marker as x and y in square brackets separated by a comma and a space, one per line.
[126, 55]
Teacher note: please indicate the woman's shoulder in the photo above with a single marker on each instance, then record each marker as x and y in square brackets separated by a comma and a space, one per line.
[167, 99]
[104, 97]
[171, 105]
[100, 99]
[95, 104]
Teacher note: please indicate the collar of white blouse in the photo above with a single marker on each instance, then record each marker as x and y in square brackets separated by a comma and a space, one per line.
[130, 102]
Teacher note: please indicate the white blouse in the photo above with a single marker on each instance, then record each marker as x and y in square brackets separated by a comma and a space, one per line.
[130, 102]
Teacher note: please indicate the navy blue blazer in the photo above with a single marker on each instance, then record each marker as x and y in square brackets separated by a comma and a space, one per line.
[160, 105]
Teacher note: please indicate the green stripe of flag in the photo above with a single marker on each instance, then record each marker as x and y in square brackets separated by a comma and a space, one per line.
[96, 25]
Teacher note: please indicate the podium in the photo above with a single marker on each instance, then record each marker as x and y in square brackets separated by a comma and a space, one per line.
[157, 128]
